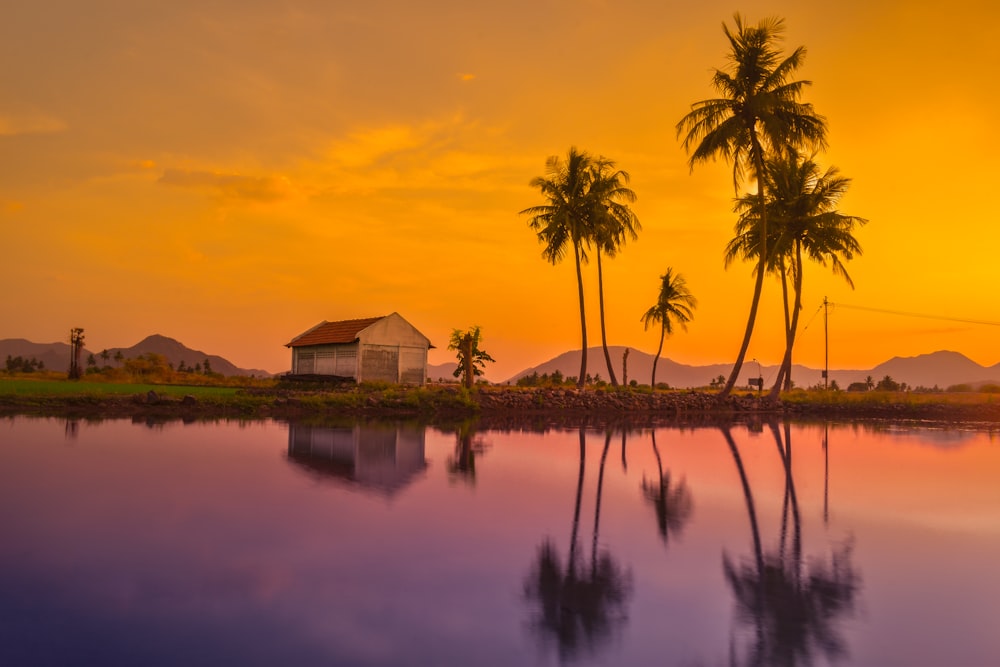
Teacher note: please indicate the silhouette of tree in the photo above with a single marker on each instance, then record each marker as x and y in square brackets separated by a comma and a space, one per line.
[471, 360]
[674, 304]
[614, 223]
[801, 207]
[76, 349]
[794, 608]
[578, 607]
[563, 224]
[758, 112]
[462, 464]
[672, 501]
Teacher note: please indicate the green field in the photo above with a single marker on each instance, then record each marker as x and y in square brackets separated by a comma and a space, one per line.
[32, 387]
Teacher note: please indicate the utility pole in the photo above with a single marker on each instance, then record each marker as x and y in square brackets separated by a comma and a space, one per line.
[826, 343]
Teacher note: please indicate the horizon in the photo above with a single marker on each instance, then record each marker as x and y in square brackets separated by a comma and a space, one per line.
[500, 380]
[235, 174]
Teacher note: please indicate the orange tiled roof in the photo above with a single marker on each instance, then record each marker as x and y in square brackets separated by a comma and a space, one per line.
[326, 333]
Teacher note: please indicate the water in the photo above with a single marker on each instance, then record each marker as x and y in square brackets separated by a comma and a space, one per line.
[391, 544]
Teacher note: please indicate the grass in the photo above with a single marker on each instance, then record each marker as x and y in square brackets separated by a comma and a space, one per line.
[35, 387]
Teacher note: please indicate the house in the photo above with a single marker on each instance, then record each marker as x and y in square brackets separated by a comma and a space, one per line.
[375, 349]
[382, 458]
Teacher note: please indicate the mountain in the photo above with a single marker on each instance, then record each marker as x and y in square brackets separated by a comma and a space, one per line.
[56, 355]
[942, 368]
[939, 368]
[442, 371]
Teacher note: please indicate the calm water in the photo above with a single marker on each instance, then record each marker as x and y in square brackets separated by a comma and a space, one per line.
[267, 544]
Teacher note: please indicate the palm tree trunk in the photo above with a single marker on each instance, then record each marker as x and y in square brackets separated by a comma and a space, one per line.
[624, 461]
[604, 337]
[663, 335]
[597, 506]
[579, 498]
[758, 550]
[755, 149]
[785, 372]
[581, 381]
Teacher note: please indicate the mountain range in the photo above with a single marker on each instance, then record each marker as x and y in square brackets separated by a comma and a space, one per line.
[55, 356]
[942, 368]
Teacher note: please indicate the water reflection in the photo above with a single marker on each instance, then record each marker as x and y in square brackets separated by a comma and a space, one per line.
[468, 447]
[792, 608]
[383, 458]
[247, 543]
[578, 606]
[670, 498]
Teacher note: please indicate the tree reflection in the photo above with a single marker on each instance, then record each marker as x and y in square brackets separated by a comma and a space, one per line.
[671, 499]
[462, 464]
[577, 605]
[793, 607]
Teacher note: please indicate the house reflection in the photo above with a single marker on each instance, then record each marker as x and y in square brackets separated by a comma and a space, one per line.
[382, 458]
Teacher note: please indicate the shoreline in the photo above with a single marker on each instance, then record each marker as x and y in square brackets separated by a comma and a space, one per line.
[502, 405]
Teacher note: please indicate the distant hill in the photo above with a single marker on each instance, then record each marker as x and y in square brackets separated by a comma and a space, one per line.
[943, 368]
[939, 368]
[56, 355]
[442, 371]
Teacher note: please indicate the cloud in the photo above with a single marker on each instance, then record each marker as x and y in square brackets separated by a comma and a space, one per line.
[230, 186]
[11, 126]
[368, 146]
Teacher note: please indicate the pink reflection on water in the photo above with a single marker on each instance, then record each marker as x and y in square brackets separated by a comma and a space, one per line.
[212, 542]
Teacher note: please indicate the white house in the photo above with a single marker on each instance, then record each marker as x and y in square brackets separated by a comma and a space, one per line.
[375, 349]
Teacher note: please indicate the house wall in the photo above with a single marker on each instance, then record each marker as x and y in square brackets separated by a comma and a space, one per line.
[393, 351]
[339, 360]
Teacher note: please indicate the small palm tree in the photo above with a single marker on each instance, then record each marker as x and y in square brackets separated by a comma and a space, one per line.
[674, 304]
[758, 112]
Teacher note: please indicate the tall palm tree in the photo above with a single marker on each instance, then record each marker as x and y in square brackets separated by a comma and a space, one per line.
[562, 224]
[613, 223]
[801, 205]
[758, 112]
[674, 304]
[806, 201]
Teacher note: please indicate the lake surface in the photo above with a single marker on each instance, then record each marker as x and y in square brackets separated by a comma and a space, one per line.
[264, 543]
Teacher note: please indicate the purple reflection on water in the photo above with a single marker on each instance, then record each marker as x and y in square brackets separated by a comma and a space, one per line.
[260, 543]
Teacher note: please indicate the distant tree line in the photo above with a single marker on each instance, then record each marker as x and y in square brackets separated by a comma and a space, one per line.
[21, 364]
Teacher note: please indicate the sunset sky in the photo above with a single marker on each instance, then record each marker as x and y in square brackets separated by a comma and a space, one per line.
[230, 173]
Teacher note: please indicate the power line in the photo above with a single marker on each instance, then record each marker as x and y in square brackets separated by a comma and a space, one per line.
[923, 315]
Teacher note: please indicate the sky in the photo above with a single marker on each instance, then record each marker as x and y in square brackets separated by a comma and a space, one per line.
[231, 173]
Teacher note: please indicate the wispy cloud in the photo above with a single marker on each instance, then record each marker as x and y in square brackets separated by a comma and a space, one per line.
[14, 125]
[230, 185]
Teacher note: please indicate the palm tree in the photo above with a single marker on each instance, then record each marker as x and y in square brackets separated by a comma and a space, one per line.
[674, 304]
[758, 112]
[801, 205]
[613, 223]
[563, 223]
[806, 202]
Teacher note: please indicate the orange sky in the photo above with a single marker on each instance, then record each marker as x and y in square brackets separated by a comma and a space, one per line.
[231, 173]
